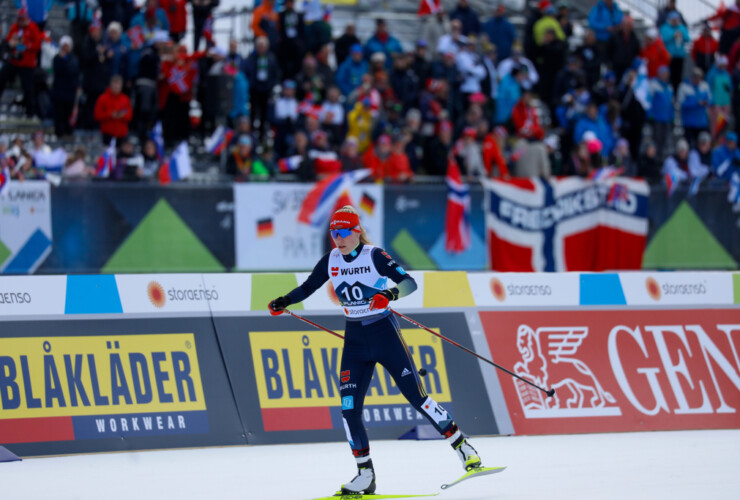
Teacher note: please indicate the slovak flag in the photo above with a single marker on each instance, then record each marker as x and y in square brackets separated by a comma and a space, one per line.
[218, 141]
[4, 179]
[156, 135]
[106, 161]
[178, 167]
[319, 203]
[290, 164]
[457, 218]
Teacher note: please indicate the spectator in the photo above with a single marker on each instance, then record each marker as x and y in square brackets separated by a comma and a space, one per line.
[720, 88]
[177, 16]
[331, 116]
[262, 72]
[654, 52]
[675, 36]
[116, 49]
[264, 22]
[648, 166]
[38, 144]
[311, 84]
[128, 164]
[325, 161]
[632, 112]
[290, 47]
[662, 111]
[360, 123]
[517, 59]
[493, 158]
[591, 58]
[446, 69]
[729, 23]
[604, 18]
[323, 69]
[467, 17]
[420, 63]
[284, 117]
[532, 159]
[202, 10]
[318, 29]
[241, 165]
[66, 89]
[385, 163]
[677, 165]
[606, 89]
[240, 106]
[96, 71]
[489, 85]
[500, 31]
[433, 30]
[80, 14]
[38, 11]
[383, 42]
[726, 158]
[472, 71]
[413, 139]
[349, 155]
[344, 44]
[179, 85]
[469, 155]
[509, 92]
[146, 97]
[693, 98]
[623, 47]
[563, 17]
[24, 42]
[113, 111]
[119, 11]
[437, 150]
[566, 81]
[595, 122]
[535, 14]
[524, 116]
[666, 11]
[76, 165]
[151, 18]
[349, 74]
[551, 60]
[700, 158]
[704, 49]
[545, 23]
[151, 160]
[404, 82]
[621, 158]
[453, 41]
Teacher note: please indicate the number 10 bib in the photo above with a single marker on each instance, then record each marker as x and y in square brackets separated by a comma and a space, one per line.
[355, 282]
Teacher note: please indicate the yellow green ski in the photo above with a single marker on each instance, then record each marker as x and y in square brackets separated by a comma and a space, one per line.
[339, 496]
[477, 471]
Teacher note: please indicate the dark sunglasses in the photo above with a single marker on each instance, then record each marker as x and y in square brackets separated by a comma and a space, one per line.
[336, 233]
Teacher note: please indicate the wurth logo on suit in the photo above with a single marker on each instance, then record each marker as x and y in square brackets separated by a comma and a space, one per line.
[355, 270]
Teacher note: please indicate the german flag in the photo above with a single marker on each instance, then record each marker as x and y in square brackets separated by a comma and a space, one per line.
[367, 204]
[265, 228]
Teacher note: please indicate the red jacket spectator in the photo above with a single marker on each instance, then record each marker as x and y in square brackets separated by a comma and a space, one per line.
[655, 55]
[265, 11]
[492, 154]
[525, 119]
[179, 77]
[705, 46]
[176, 15]
[386, 164]
[113, 110]
[24, 39]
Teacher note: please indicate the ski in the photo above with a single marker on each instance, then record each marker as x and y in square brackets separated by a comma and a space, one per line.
[340, 496]
[478, 471]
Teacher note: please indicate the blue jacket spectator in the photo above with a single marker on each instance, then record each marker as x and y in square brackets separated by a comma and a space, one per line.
[118, 44]
[38, 10]
[509, 92]
[726, 158]
[241, 94]
[694, 97]
[595, 122]
[468, 18]
[349, 74]
[675, 37]
[604, 15]
[500, 32]
[158, 22]
[382, 41]
[720, 83]
[661, 95]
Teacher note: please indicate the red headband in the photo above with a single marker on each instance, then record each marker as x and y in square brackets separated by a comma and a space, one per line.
[345, 220]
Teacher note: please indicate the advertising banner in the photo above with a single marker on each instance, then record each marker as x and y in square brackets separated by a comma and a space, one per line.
[685, 288]
[97, 385]
[286, 378]
[32, 295]
[269, 237]
[525, 289]
[566, 224]
[25, 226]
[616, 371]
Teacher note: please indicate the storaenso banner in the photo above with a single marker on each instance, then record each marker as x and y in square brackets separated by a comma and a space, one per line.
[97, 385]
[294, 375]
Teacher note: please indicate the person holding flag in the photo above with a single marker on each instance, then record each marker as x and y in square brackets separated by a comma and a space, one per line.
[359, 273]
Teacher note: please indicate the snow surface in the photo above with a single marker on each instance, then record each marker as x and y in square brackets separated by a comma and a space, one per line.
[650, 465]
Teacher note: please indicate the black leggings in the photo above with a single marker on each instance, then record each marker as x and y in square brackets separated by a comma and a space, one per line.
[381, 342]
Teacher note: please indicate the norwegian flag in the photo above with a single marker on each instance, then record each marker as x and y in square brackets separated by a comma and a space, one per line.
[218, 141]
[177, 79]
[290, 164]
[106, 161]
[427, 7]
[565, 224]
[136, 36]
[457, 218]
[618, 192]
[4, 179]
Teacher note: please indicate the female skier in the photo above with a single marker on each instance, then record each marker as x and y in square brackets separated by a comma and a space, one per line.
[359, 273]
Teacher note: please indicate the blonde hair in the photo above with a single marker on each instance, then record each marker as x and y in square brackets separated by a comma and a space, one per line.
[351, 210]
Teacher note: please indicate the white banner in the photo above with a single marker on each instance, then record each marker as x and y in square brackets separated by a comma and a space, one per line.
[525, 289]
[691, 288]
[25, 226]
[32, 295]
[268, 235]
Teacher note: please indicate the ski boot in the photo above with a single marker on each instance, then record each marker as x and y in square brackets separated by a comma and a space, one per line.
[468, 456]
[363, 482]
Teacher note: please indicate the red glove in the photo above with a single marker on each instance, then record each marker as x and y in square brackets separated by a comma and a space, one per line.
[381, 300]
[277, 306]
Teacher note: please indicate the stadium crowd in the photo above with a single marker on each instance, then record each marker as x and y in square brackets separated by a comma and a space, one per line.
[503, 103]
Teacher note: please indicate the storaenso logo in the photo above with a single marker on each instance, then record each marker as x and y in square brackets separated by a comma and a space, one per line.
[194, 294]
[684, 288]
[15, 298]
[529, 289]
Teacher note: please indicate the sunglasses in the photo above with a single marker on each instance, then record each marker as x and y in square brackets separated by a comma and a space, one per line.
[336, 233]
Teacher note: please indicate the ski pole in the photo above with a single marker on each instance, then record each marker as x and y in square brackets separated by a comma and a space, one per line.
[422, 372]
[549, 393]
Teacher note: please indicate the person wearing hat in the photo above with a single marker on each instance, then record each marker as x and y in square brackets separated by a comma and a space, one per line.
[676, 166]
[604, 18]
[65, 89]
[693, 98]
[385, 163]
[500, 31]
[361, 277]
[24, 42]
[670, 7]
[675, 37]
[594, 122]
[382, 41]
[661, 112]
[518, 59]
[726, 157]
[117, 47]
[720, 88]
[704, 48]
[349, 74]
[241, 163]
[654, 52]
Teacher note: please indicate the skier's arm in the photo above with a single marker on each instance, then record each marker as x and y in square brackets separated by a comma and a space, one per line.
[386, 266]
[315, 280]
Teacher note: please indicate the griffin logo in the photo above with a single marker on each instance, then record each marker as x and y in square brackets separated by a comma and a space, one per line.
[334, 271]
[345, 376]
[156, 294]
